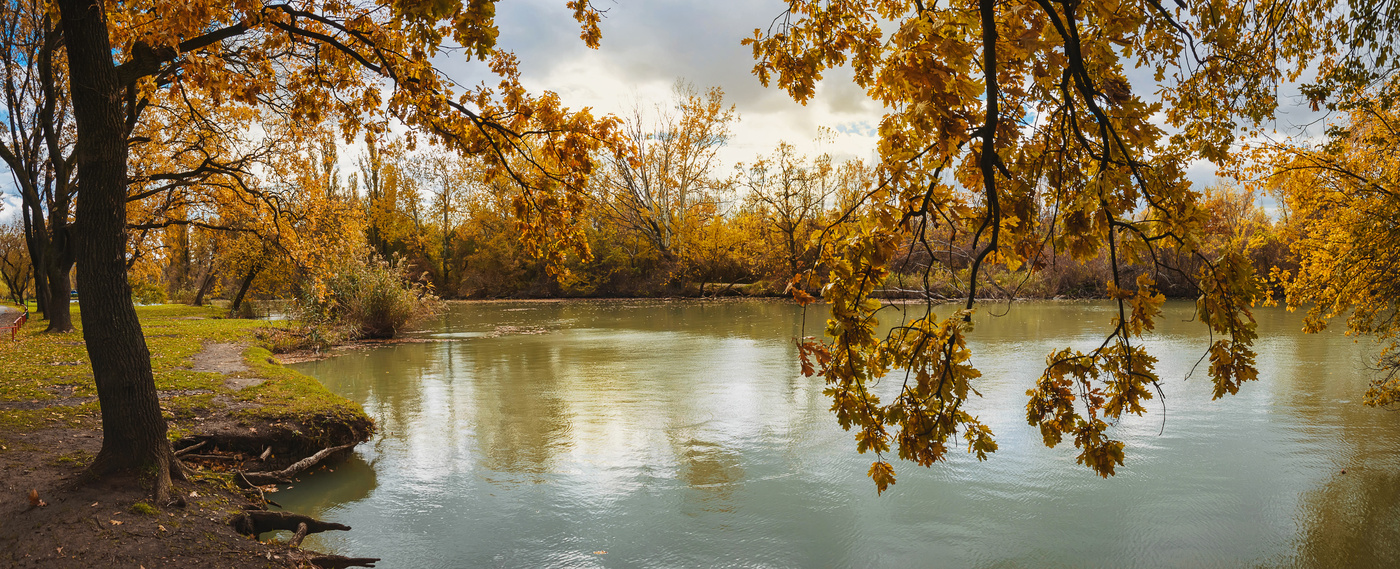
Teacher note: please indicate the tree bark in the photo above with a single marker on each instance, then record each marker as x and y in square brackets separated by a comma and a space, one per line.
[60, 311]
[134, 432]
[36, 240]
[204, 285]
[243, 288]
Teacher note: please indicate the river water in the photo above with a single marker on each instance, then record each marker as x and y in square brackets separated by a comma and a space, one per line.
[681, 434]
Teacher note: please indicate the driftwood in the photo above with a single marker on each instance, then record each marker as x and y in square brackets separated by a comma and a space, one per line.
[339, 562]
[256, 522]
[285, 475]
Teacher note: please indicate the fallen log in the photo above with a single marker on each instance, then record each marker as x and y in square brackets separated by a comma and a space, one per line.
[256, 522]
[339, 562]
[285, 475]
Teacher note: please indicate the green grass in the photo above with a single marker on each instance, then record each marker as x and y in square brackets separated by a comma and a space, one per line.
[143, 509]
[288, 394]
[41, 367]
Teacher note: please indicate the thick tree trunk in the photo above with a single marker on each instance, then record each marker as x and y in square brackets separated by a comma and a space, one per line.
[133, 430]
[60, 312]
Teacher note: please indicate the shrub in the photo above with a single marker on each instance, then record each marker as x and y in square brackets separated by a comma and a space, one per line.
[372, 298]
[146, 292]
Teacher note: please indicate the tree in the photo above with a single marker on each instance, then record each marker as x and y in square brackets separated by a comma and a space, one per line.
[39, 149]
[15, 268]
[793, 198]
[1013, 122]
[447, 180]
[660, 177]
[1341, 200]
[120, 54]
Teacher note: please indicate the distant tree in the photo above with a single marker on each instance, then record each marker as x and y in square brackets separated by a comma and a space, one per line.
[39, 149]
[660, 180]
[15, 267]
[792, 195]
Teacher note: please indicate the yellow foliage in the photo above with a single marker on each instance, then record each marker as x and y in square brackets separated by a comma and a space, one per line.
[1011, 126]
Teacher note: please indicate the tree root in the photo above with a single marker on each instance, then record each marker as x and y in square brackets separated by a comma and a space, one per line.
[285, 475]
[339, 562]
[256, 522]
[299, 535]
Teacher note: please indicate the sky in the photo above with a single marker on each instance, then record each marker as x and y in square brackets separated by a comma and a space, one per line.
[648, 45]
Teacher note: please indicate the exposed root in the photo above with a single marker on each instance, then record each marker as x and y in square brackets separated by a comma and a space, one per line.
[256, 522]
[298, 536]
[285, 475]
[339, 562]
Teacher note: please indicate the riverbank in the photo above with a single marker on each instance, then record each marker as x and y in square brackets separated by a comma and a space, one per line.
[228, 401]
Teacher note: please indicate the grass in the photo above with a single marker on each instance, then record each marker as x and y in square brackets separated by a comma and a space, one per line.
[41, 368]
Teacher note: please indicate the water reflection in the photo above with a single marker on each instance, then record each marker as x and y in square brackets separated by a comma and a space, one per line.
[681, 434]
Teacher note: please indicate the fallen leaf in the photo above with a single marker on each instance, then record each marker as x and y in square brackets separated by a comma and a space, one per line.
[34, 497]
[162, 528]
[116, 522]
[94, 504]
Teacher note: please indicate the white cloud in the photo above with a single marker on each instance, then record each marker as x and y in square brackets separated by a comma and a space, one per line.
[648, 45]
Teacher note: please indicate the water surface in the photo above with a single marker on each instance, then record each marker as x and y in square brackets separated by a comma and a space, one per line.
[681, 434]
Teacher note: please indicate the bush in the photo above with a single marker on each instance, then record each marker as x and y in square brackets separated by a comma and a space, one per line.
[146, 292]
[372, 298]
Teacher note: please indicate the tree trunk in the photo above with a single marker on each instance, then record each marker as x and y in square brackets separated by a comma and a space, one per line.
[133, 430]
[204, 285]
[36, 239]
[60, 311]
[243, 288]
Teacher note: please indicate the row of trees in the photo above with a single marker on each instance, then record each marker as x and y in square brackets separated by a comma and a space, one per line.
[190, 146]
[663, 218]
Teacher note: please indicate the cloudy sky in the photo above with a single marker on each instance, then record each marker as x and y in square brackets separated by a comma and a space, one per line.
[648, 45]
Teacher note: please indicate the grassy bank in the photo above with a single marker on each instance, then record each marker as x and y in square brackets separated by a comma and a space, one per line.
[216, 385]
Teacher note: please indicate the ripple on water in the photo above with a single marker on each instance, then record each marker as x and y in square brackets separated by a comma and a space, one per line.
[680, 435]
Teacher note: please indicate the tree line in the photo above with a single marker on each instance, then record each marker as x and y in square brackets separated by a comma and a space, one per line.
[663, 218]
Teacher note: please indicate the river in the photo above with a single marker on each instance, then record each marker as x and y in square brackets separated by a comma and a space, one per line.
[681, 434]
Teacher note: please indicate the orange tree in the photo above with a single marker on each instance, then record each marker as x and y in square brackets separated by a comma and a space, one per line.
[1013, 123]
[362, 64]
[1341, 199]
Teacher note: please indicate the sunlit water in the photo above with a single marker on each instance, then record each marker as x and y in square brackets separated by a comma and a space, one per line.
[681, 434]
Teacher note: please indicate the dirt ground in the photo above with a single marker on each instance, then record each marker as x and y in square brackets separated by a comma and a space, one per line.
[111, 523]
